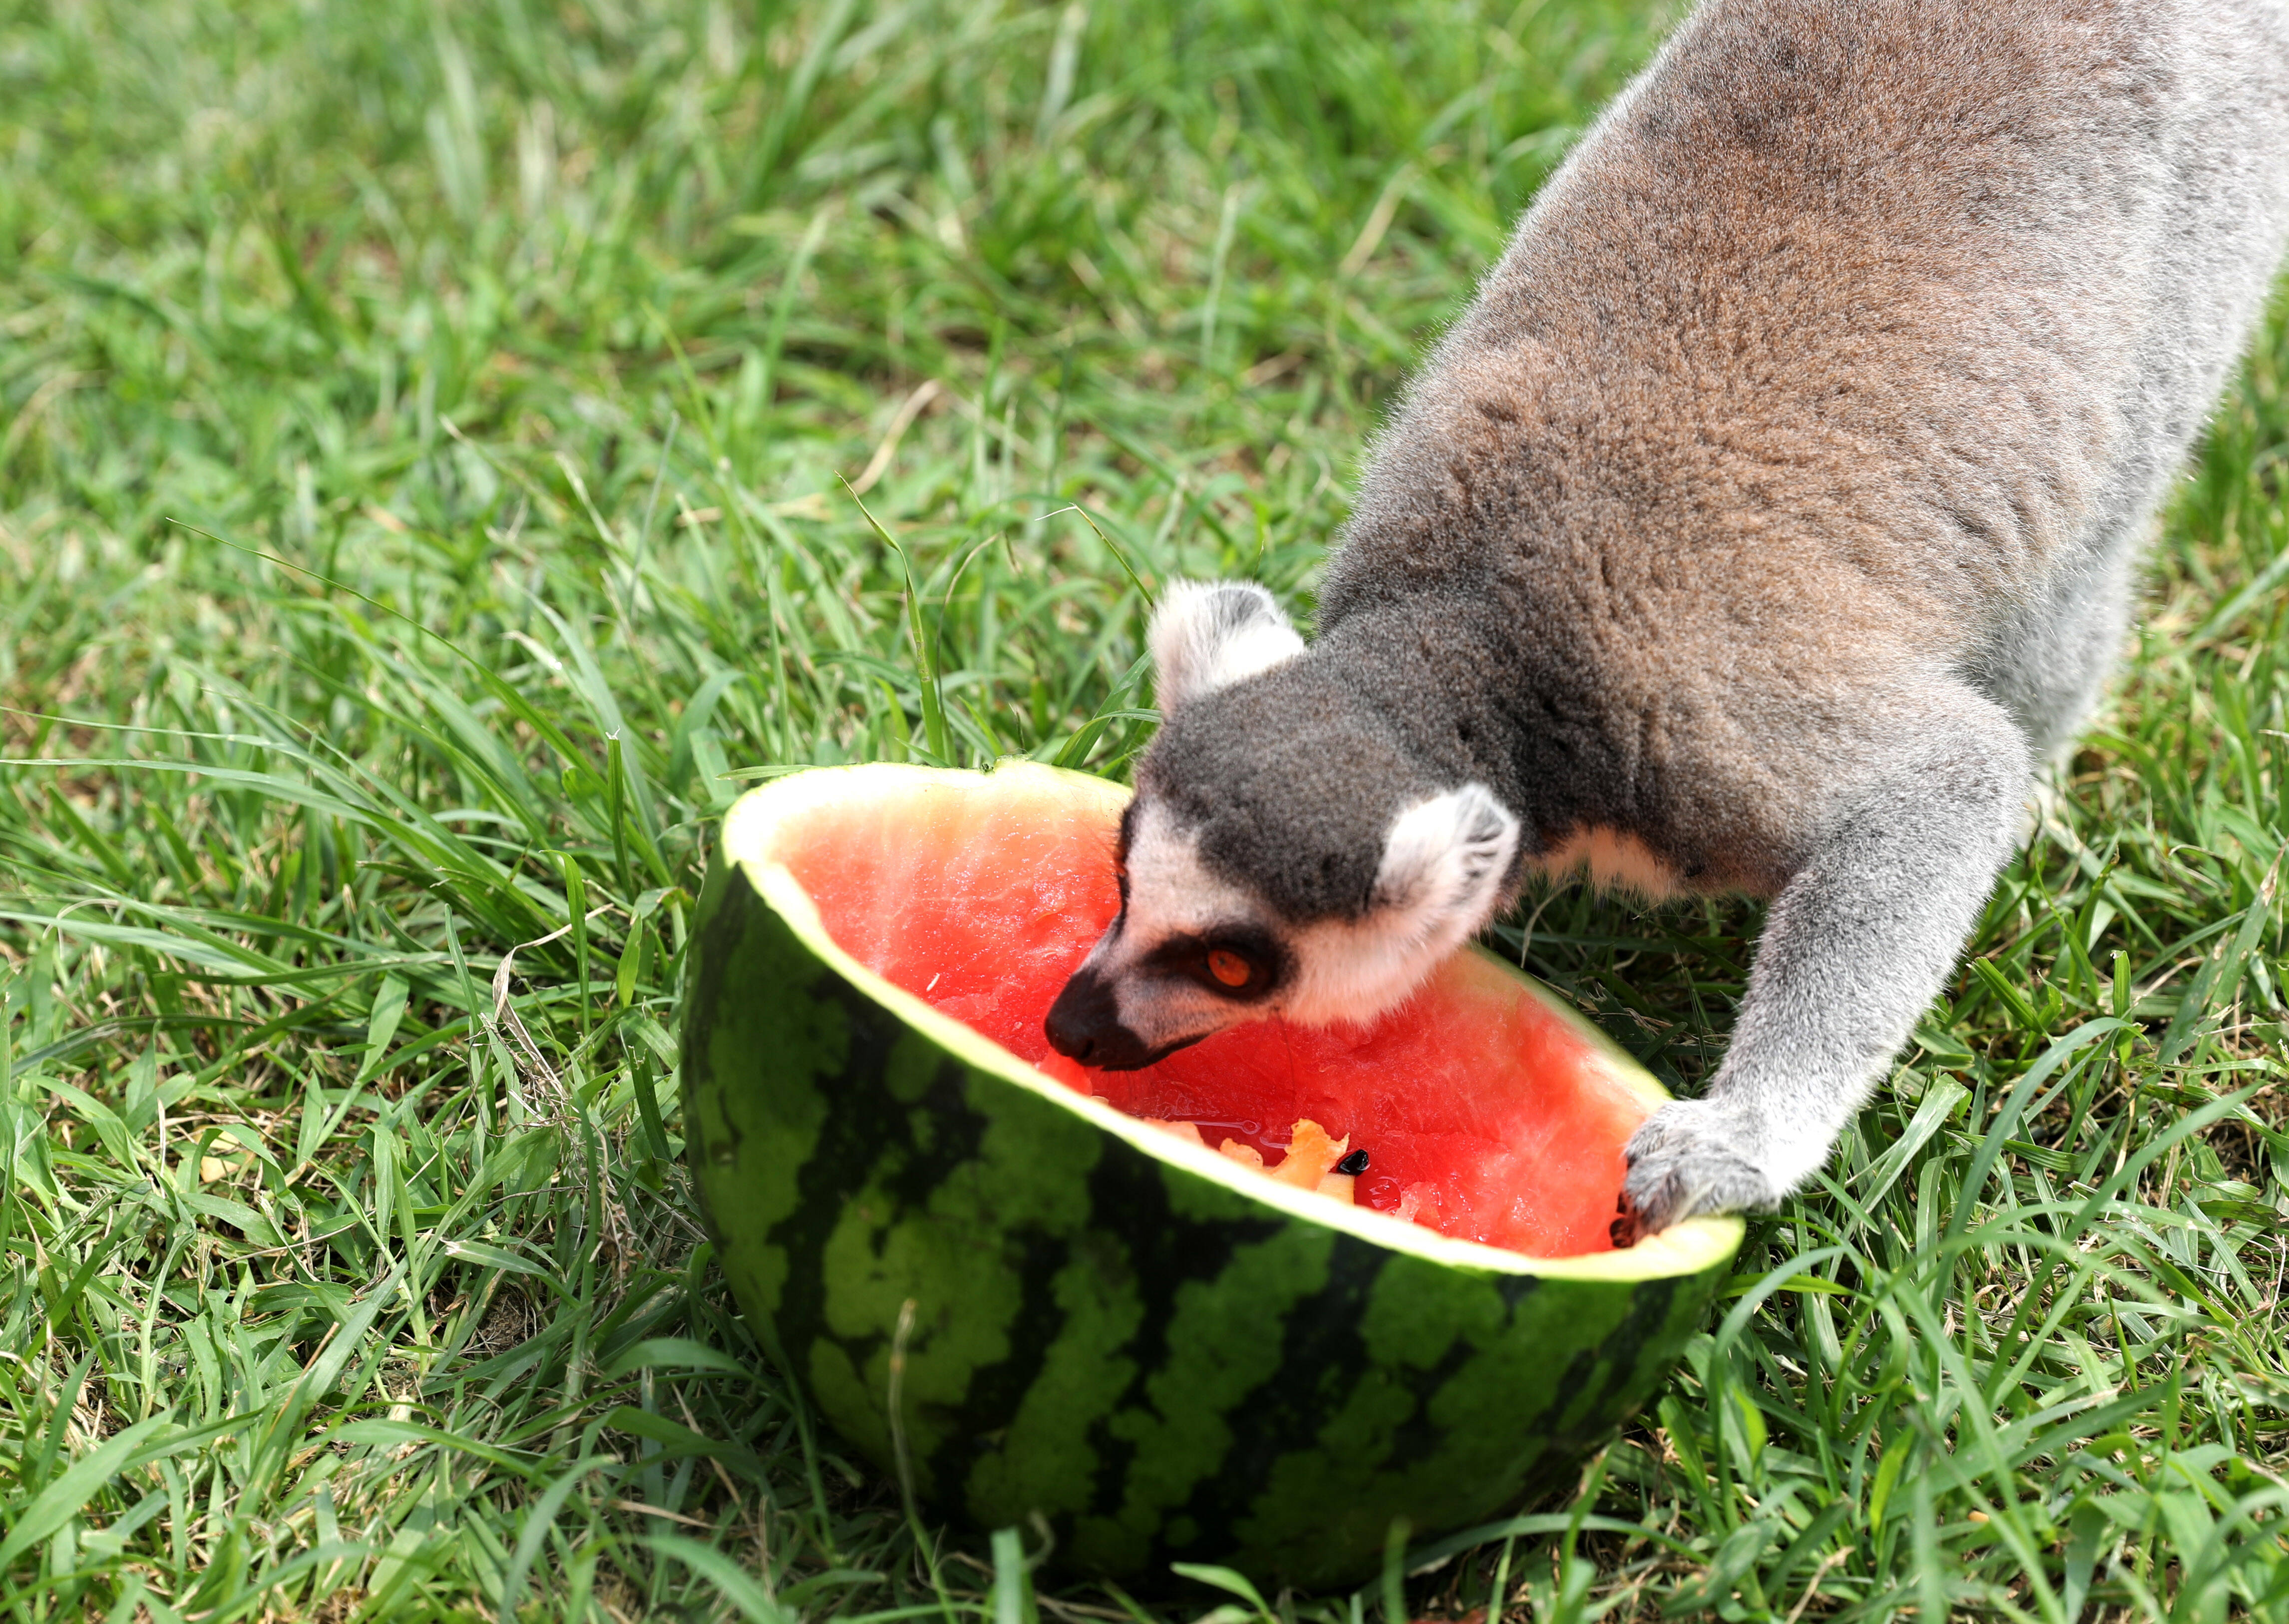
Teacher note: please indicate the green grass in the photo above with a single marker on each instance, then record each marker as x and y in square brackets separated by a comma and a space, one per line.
[419, 439]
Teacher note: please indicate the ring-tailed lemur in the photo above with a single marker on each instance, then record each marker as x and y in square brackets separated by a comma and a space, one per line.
[1771, 512]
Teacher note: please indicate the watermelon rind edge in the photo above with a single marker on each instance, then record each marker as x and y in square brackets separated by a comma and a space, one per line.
[1687, 1248]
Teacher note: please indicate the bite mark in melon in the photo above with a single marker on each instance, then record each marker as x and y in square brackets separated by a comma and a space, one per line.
[1311, 1155]
[1313, 1162]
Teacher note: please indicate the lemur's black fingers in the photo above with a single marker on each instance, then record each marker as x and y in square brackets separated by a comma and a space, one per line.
[1626, 1228]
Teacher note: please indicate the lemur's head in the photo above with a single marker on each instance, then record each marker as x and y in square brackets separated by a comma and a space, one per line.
[1285, 852]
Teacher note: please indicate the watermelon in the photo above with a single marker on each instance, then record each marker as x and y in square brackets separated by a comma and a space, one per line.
[1085, 1317]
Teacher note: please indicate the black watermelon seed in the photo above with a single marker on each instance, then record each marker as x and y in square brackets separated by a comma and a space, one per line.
[1355, 1162]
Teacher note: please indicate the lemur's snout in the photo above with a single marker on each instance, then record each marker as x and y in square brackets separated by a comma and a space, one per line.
[1084, 1025]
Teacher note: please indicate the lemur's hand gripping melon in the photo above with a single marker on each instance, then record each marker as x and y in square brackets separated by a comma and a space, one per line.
[1168, 1355]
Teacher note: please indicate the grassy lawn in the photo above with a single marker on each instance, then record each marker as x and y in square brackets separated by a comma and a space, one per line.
[419, 432]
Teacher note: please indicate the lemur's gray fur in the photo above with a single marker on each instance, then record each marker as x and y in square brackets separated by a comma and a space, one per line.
[1771, 513]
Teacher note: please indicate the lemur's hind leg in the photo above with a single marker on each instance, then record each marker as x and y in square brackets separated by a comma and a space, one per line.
[1856, 948]
[2053, 655]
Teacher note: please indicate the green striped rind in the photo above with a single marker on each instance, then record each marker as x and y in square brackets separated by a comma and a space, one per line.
[1168, 1358]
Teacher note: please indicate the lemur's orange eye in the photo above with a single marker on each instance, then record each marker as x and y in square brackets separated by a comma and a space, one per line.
[1228, 967]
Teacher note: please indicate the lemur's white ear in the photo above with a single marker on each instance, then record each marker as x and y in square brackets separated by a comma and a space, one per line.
[1207, 635]
[1444, 863]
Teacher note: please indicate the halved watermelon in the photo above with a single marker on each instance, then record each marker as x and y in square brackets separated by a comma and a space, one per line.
[1167, 1355]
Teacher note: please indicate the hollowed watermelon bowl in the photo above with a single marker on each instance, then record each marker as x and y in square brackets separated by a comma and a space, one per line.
[1166, 1356]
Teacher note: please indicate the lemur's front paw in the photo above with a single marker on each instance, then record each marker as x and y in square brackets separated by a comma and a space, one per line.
[1692, 1157]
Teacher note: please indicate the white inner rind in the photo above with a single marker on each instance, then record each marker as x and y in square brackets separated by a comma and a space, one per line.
[748, 828]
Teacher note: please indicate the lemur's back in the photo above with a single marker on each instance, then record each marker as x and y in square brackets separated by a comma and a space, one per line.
[1857, 334]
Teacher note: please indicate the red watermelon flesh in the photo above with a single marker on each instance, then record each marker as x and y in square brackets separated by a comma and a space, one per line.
[1504, 1113]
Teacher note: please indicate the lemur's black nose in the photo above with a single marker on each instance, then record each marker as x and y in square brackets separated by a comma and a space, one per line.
[1084, 1025]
